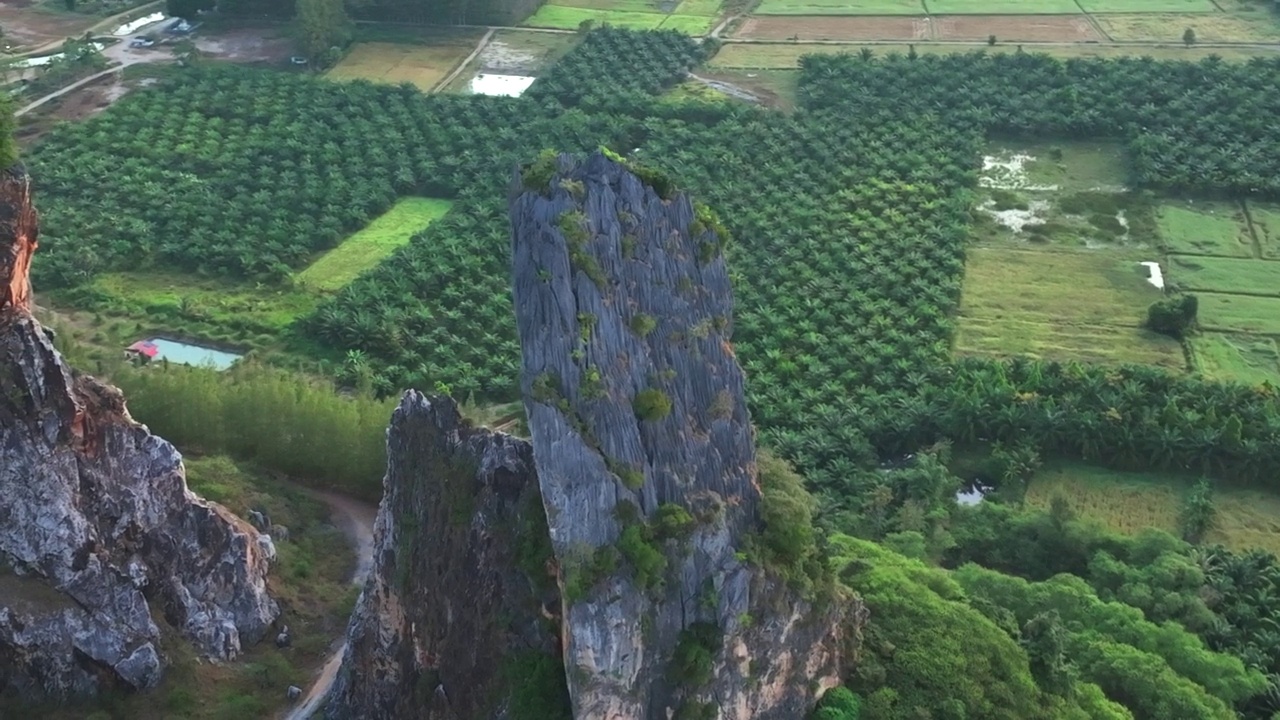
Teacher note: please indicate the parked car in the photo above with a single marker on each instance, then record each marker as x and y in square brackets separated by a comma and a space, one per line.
[142, 41]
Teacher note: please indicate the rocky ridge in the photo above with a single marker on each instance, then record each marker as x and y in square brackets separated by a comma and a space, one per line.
[459, 610]
[98, 529]
[645, 455]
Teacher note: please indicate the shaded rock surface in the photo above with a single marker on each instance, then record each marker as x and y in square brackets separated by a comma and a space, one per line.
[98, 529]
[460, 602]
[624, 309]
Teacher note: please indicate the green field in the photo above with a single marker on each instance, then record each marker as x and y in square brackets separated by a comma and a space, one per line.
[695, 17]
[1215, 27]
[1131, 502]
[557, 16]
[1002, 7]
[1204, 228]
[691, 24]
[1226, 275]
[840, 7]
[422, 65]
[1084, 305]
[1239, 313]
[365, 249]
[1266, 226]
[1242, 358]
[1148, 6]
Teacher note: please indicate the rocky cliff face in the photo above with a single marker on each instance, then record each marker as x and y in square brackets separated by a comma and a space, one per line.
[459, 611]
[98, 529]
[645, 455]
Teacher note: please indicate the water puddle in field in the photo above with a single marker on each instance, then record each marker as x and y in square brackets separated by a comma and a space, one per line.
[1016, 219]
[506, 85]
[972, 493]
[1154, 275]
[186, 353]
[46, 59]
[1008, 171]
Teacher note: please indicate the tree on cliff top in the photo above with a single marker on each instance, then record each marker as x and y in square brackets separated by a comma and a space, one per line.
[8, 125]
[322, 25]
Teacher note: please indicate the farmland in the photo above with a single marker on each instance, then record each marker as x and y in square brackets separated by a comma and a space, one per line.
[1015, 28]
[840, 7]
[1215, 27]
[423, 66]
[787, 56]
[884, 308]
[1001, 7]
[832, 28]
[691, 16]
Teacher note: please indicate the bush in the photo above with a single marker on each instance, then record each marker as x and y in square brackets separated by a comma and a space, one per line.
[694, 656]
[1173, 315]
[652, 405]
[645, 559]
[643, 324]
[839, 704]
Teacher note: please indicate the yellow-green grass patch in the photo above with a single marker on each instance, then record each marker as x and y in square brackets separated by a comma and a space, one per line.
[1215, 27]
[708, 8]
[1225, 275]
[368, 247]
[1252, 360]
[840, 7]
[557, 16]
[1131, 502]
[1266, 227]
[1148, 6]
[1239, 313]
[422, 65]
[691, 24]
[643, 6]
[787, 55]
[222, 301]
[1204, 228]
[1002, 7]
[1084, 305]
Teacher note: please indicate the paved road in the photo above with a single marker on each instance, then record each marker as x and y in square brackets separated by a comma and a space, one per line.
[355, 519]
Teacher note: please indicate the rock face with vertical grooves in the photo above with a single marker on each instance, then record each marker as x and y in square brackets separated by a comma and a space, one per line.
[636, 406]
[461, 600]
[98, 529]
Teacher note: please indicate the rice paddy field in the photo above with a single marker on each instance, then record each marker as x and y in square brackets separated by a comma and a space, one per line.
[1265, 220]
[1130, 502]
[423, 65]
[1016, 28]
[1002, 7]
[840, 7]
[1148, 6]
[1246, 276]
[1209, 27]
[1241, 358]
[372, 244]
[695, 17]
[1205, 228]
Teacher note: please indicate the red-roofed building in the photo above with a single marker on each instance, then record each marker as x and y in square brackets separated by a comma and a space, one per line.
[141, 351]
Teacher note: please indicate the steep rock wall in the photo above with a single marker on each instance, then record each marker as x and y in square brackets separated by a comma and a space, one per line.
[637, 414]
[460, 605]
[98, 529]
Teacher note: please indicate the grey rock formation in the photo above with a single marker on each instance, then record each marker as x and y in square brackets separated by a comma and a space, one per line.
[98, 529]
[459, 604]
[636, 406]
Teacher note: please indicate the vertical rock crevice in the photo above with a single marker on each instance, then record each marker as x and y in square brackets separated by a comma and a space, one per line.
[645, 455]
[98, 529]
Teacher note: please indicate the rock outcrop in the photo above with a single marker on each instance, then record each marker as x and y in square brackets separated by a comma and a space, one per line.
[98, 529]
[645, 456]
[459, 609]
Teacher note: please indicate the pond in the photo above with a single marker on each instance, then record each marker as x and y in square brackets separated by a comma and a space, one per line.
[508, 85]
[187, 354]
[972, 493]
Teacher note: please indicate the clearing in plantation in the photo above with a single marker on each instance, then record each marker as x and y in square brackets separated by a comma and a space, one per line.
[364, 250]
[1130, 502]
[1249, 359]
[1227, 275]
[422, 65]
[695, 17]
[1204, 228]
[1239, 313]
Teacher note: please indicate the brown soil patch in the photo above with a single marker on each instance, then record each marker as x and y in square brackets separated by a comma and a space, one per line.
[81, 104]
[835, 28]
[246, 44]
[1031, 28]
[27, 27]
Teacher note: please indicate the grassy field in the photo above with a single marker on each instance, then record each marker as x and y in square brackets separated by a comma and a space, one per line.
[1148, 6]
[787, 55]
[1204, 228]
[1130, 502]
[422, 65]
[368, 247]
[1067, 166]
[1239, 313]
[695, 17]
[1242, 358]
[1266, 226]
[309, 580]
[1001, 7]
[1228, 275]
[1215, 27]
[1058, 304]
[515, 52]
[840, 7]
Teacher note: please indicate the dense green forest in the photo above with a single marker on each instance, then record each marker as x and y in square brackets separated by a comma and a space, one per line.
[850, 221]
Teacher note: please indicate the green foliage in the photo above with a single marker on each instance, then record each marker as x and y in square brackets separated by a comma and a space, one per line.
[839, 704]
[1174, 315]
[651, 404]
[694, 657]
[538, 687]
[1195, 518]
[282, 421]
[646, 560]
[8, 125]
[536, 176]
[583, 568]
[321, 26]
[672, 521]
[787, 543]
[642, 324]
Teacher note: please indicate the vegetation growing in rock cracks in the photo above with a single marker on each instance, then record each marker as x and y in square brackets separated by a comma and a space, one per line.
[851, 218]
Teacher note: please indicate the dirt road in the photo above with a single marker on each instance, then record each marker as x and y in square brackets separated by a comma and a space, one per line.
[355, 519]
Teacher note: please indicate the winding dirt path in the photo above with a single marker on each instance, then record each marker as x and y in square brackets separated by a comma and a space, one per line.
[355, 519]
